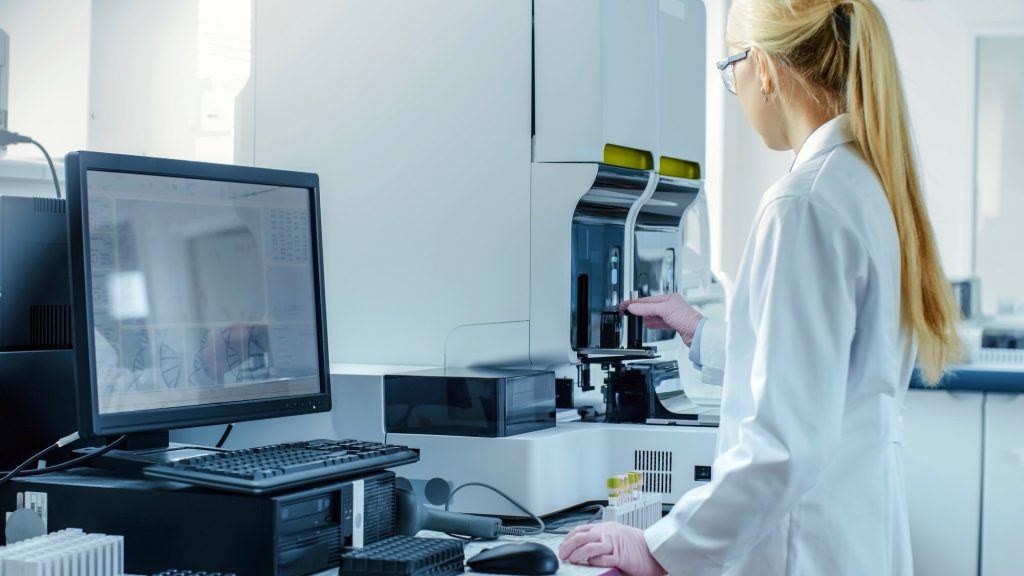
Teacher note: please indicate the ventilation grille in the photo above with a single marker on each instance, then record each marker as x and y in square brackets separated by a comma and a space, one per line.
[1001, 357]
[330, 536]
[50, 326]
[379, 503]
[656, 466]
[50, 205]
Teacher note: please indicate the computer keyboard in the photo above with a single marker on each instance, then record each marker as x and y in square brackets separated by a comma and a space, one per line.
[192, 573]
[282, 466]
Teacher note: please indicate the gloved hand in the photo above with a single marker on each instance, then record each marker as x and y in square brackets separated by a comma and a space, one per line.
[666, 311]
[610, 545]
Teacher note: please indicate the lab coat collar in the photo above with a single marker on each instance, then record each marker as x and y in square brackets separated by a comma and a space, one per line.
[829, 135]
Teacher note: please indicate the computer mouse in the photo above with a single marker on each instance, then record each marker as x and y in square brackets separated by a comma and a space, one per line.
[521, 559]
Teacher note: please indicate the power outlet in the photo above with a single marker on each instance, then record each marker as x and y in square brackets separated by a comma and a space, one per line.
[35, 501]
[702, 473]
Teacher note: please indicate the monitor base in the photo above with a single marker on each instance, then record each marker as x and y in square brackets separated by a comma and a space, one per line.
[142, 450]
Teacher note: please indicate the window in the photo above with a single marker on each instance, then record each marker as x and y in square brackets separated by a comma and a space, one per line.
[171, 78]
[999, 172]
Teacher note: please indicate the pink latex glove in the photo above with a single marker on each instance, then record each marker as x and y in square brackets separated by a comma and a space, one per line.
[610, 545]
[666, 311]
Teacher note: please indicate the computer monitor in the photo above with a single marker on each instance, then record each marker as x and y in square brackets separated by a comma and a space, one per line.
[197, 293]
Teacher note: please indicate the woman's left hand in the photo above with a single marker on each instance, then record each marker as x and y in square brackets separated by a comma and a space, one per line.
[610, 545]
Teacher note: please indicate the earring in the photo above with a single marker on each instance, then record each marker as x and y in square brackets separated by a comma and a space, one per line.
[765, 94]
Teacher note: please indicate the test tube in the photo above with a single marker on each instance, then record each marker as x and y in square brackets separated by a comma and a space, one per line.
[614, 490]
[639, 483]
[627, 495]
[634, 328]
[634, 484]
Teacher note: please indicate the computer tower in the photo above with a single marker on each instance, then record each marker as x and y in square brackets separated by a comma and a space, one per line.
[173, 525]
[37, 388]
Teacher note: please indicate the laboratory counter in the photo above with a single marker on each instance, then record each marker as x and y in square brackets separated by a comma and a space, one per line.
[971, 378]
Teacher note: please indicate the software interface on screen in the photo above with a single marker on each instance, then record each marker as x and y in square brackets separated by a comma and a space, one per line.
[202, 291]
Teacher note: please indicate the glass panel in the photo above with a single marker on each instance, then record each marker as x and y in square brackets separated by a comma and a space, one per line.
[171, 78]
[659, 267]
[598, 241]
[1000, 173]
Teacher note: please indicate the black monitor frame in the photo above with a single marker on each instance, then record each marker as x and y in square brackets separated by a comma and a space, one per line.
[91, 421]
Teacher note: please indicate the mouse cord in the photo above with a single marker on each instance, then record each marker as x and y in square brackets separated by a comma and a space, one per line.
[504, 530]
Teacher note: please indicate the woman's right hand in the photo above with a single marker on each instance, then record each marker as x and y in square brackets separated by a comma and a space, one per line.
[664, 312]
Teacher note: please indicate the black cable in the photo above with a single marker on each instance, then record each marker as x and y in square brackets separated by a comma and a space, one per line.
[34, 458]
[53, 171]
[224, 436]
[7, 138]
[74, 461]
[502, 530]
[565, 525]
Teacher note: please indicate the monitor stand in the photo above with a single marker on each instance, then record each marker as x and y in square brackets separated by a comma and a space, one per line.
[145, 449]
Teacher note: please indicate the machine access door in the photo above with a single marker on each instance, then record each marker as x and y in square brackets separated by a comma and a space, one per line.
[670, 243]
[600, 246]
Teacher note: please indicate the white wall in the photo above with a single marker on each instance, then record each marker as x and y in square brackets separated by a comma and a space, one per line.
[416, 116]
[49, 73]
[740, 167]
[143, 93]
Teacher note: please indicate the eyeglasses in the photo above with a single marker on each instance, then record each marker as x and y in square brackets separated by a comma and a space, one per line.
[726, 69]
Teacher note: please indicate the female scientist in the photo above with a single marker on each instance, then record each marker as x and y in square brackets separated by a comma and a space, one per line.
[839, 290]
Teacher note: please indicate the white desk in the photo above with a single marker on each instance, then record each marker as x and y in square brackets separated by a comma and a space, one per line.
[550, 540]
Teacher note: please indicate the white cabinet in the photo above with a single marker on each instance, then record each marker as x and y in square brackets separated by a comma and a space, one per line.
[682, 84]
[416, 116]
[942, 457]
[595, 78]
[1003, 506]
[621, 82]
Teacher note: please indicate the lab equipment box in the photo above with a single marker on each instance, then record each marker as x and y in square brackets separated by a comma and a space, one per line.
[169, 524]
[469, 402]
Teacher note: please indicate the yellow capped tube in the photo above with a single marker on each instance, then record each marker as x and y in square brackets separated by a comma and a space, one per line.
[636, 484]
[627, 493]
[614, 490]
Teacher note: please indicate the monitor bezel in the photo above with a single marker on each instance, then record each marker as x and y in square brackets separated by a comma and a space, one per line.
[91, 421]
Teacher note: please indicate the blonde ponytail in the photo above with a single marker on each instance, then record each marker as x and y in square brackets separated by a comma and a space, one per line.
[842, 49]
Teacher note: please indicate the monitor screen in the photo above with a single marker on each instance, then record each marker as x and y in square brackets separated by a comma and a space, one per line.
[202, 291]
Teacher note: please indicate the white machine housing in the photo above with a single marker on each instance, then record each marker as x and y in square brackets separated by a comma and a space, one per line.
[546, 470]
[637, 79]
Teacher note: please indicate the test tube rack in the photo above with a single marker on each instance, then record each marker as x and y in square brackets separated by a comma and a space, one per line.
[69, 552]
[640, 513]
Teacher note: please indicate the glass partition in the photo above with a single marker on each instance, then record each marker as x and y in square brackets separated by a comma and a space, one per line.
[999, 173]
[171, 78]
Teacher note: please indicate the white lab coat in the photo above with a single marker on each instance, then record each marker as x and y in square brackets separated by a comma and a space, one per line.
[809, 474]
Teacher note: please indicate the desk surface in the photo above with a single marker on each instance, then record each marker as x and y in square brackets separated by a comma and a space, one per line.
[550, 540]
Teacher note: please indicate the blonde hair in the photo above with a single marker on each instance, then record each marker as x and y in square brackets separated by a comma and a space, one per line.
[841, 50]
